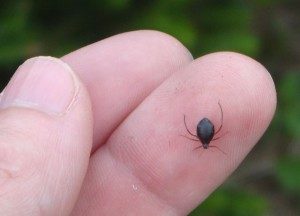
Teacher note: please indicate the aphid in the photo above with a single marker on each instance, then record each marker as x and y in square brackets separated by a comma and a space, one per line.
[205, 132]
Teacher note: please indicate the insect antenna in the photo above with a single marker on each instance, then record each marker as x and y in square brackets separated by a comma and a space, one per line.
[221, 119]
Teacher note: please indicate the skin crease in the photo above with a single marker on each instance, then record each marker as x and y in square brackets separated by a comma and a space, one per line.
[140, 85]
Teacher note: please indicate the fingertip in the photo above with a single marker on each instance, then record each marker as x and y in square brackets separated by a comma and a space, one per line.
[247, 68]
[43, 83]
[245, 87]
[167, 41]
[155, 42]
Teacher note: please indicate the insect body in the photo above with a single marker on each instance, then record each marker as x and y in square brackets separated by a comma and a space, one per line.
[205, 132]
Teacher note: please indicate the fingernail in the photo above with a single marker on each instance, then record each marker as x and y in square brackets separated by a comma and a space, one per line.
[43, 83]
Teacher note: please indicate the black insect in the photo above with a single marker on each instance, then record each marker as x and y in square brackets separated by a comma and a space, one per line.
[205, 132]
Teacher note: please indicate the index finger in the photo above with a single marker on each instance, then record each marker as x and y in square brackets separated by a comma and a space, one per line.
[120, 71]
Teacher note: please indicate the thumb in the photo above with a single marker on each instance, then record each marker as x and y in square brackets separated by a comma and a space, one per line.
[45, 139]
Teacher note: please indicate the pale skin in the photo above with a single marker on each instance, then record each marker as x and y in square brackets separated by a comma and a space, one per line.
[117, 148]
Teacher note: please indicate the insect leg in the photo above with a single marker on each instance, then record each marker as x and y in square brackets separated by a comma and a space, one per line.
[187, 128]
[198, 147]
[197, 140]
[218, 149]
[216, 138]
[220, 136]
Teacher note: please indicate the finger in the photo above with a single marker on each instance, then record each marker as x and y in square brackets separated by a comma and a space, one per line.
[147, 166]
[45, 139]
[121, 71]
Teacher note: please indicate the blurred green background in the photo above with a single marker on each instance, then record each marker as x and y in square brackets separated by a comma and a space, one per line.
[268, 182]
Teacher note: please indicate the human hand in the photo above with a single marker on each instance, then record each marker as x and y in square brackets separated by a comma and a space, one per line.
[124, 101]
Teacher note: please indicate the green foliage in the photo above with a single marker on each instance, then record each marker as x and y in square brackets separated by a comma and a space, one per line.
[233, 41]
[115, 5]
[233, 202]
[262, 29]
[289, 105]
[227, 27]
[288, 174]
[15, 34]
[44, 27]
